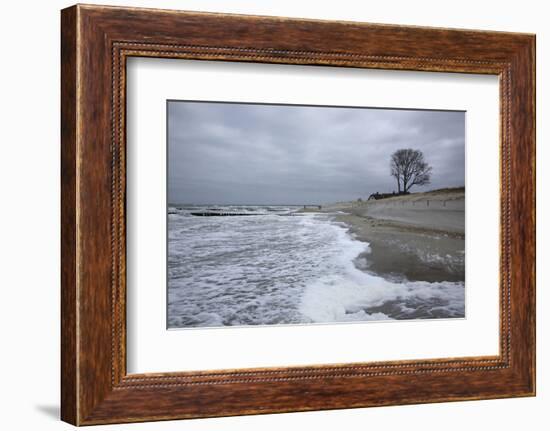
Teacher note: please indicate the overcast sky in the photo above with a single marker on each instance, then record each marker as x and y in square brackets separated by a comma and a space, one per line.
[221, 153]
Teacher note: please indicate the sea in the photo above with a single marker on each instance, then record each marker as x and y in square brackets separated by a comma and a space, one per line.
[274, 265]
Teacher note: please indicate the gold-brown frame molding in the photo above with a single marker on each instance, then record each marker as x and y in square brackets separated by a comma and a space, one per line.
[96, 41]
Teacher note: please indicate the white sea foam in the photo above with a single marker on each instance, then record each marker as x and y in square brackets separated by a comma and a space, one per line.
[279, 268]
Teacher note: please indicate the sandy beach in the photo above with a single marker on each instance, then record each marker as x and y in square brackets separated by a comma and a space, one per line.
[417, 237]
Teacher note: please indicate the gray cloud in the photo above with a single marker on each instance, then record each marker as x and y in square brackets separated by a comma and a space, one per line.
[284, 154]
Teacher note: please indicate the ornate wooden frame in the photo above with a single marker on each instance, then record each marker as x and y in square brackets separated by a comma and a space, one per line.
[95, 42]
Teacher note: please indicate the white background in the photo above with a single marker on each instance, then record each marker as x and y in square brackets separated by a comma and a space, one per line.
[29, 225]
[151, 348]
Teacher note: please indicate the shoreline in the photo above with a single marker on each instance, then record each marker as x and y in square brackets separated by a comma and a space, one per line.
[408, 271]
[416, 237]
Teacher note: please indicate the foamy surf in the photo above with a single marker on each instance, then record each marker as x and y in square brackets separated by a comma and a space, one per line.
[352, 294]
[280, 267]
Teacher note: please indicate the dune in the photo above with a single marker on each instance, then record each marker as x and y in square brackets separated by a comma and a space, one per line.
[438, 210]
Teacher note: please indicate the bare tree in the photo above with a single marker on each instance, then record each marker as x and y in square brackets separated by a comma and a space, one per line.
[408, 167]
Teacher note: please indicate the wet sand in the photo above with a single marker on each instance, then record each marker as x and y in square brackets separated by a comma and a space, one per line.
[417, 237]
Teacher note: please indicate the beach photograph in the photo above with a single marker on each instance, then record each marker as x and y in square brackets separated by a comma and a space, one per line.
[301, 214]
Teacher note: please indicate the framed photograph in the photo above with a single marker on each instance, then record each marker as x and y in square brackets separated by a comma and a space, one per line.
[263, 214]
